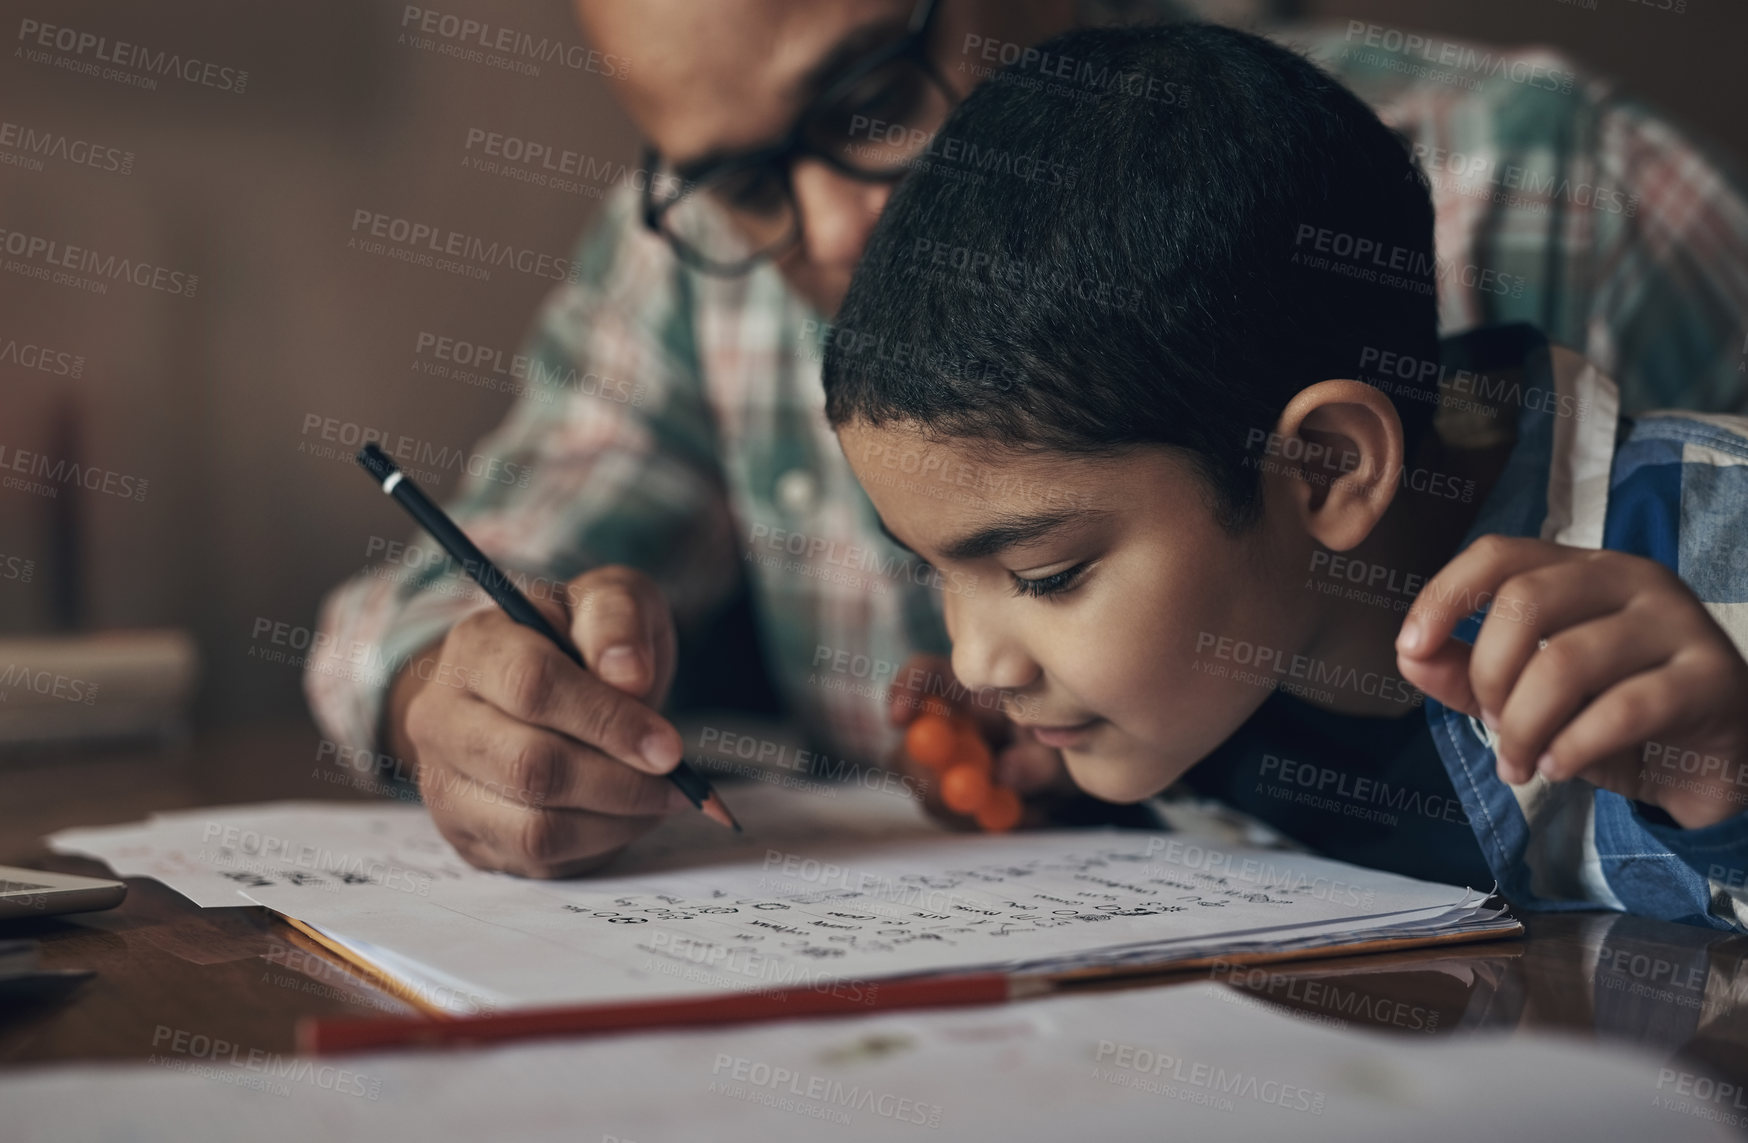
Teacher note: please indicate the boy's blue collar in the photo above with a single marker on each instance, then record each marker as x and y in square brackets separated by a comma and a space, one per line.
[1566, 419]
[1518, 501]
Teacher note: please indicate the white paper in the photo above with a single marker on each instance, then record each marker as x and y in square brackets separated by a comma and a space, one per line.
[211, 853]
[1186, 1063]
[810, 896]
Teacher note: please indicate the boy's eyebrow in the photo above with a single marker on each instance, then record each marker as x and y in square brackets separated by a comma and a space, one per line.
[1011, 531]
[1005, 533]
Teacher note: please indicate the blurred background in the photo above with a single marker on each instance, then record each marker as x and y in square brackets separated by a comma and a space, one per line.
[214, 401]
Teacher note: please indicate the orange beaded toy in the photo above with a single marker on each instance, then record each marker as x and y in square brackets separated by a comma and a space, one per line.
[953, 747]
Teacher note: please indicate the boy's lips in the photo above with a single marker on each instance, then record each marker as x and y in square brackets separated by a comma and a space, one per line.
[1062, 735]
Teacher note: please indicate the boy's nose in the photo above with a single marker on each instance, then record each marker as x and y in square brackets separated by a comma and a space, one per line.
[984, 660]
[837, 212]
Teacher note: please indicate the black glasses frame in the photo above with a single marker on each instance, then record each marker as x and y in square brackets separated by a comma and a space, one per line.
[780, 157]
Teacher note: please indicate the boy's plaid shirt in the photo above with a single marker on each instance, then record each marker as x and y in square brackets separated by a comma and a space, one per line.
[1670, 486]
[674, 422]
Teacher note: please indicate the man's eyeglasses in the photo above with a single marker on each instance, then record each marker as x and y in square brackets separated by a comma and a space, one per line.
[871, 124]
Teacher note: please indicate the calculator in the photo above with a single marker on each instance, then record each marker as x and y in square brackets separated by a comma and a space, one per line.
[37, 893]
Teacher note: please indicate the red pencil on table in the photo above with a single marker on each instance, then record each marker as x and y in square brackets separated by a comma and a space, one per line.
[332, 1037]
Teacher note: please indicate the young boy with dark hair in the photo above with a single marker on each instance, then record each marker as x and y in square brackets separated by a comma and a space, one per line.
[1149, 351]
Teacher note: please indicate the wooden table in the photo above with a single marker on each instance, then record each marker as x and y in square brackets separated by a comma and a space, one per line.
[165, 967]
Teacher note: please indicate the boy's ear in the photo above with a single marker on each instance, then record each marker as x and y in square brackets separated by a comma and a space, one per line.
[1340, 459]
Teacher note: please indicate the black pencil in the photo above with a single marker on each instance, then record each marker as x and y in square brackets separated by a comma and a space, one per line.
[496, 584]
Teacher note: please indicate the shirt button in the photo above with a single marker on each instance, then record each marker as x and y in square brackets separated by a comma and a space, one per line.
[797, 491]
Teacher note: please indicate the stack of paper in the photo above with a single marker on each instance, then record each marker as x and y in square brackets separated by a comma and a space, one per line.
[697, 913]
[211, 854]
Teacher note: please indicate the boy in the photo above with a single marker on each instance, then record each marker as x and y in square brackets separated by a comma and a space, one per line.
[1175, 416]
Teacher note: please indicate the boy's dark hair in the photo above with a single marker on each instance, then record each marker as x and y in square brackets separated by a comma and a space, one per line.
[1151, 235]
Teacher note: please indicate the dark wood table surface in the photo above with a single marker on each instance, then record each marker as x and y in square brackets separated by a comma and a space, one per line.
[164, 966]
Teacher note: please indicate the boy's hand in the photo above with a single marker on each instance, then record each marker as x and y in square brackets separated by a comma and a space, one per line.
[1033, 770]
[1591, 664]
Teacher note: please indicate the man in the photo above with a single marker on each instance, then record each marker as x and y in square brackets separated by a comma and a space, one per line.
[777, 128]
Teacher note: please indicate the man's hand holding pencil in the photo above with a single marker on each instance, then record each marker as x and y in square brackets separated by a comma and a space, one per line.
[542, 768]
[554, 758]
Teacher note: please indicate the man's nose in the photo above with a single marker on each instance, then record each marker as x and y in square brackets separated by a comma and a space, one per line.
[837, 212]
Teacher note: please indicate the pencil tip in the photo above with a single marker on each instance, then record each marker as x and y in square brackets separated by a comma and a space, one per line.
[717, 812]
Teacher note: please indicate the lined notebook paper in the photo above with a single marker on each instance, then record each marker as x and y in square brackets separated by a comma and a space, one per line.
[813, 894]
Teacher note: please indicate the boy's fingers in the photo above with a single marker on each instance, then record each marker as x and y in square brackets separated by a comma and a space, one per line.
[903, 697]
[1579, 664]
[1627, 714]
[1529, 608]
[927, 683]
[1463, 585]
[928, 784]
[1443, 675]
[923, 783]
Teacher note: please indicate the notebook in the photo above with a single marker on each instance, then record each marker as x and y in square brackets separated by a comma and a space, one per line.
[817, 893]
